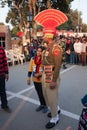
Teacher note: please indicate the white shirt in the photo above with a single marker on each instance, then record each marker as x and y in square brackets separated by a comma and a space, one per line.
[78, 47]
[84, 45]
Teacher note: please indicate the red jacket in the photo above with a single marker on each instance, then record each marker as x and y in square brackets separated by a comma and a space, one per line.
[3, 63]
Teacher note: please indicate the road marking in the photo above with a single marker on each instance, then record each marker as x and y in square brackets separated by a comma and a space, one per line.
[13, 115]
[62, 72]
[28, 99]
[69, 114]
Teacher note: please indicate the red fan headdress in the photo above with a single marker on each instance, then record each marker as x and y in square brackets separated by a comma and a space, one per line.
[50, 19]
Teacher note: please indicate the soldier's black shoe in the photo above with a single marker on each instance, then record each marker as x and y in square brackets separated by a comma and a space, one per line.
[50, 125]
[49, 114]
[7, 109]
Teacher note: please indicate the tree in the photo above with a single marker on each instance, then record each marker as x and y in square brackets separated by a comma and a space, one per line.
[17, 14]
[75, 22]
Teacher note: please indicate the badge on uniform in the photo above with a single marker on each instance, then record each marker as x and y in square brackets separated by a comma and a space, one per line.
[48, 73]
[56, 52]
[48, 77]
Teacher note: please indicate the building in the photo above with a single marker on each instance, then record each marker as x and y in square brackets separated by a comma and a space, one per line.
[5, 37]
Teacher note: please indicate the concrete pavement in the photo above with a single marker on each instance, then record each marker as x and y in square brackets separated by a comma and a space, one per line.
[23, 100]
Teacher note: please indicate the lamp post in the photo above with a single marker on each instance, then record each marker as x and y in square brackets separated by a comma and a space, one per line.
[29, 19]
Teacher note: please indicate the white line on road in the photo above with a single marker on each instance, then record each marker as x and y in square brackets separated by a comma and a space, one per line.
[66, 113]
[67, 69]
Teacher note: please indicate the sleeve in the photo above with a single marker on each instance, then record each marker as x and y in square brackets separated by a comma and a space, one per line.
[30, 69]
[58, 61]
[5, 64]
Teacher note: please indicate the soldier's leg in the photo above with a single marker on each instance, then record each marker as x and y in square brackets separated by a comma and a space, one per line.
[52, 97]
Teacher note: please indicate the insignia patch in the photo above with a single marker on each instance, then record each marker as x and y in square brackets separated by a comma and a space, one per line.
[56, 52]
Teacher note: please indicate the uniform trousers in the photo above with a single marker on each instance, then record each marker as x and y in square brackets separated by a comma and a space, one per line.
[51, 96]
[3, 92]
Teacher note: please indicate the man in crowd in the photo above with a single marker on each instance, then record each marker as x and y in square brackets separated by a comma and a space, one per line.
[3, 76]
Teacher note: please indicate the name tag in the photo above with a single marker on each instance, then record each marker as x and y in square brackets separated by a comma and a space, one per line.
[48, 69]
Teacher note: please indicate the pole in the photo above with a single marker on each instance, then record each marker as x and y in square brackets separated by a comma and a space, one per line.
[30, 31]
[78, 15]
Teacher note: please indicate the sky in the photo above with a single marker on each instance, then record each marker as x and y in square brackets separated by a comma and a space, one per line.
[81, 5]
[3, 13]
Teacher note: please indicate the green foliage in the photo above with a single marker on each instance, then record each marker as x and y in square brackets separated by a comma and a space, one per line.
[17, 15]
[14, 31]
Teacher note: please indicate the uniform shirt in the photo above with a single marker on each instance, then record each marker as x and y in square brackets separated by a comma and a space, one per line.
[53, 56]
[3, 63]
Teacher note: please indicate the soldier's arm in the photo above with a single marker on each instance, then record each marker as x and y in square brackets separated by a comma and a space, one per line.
[58, 60]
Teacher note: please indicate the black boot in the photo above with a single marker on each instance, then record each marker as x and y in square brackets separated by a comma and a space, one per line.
[64, 66]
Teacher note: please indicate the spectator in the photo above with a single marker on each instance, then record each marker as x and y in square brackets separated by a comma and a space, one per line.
[3, 76]
[35, 69]
[72, 54]
[26, 53]
[83, 117]
[77, 49]
[83, 51]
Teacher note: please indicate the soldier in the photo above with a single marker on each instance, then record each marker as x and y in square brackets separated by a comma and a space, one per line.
[62, 43]
[51, 60]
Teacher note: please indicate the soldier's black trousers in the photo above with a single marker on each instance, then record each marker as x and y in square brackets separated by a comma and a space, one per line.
[3, 92]
[38, 87]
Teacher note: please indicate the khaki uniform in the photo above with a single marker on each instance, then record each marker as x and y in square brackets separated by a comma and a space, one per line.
[52, 59]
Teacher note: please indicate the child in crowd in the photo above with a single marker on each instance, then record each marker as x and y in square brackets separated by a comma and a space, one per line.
[83, 117]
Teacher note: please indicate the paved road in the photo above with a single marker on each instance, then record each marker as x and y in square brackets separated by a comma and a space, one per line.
[23, 100]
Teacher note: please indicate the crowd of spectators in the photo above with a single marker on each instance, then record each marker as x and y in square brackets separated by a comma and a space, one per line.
[75, 49]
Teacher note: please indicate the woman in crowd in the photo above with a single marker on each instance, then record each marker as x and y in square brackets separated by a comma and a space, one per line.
[35, 69]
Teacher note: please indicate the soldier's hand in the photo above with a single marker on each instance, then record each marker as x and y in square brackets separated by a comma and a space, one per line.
[52, 85]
